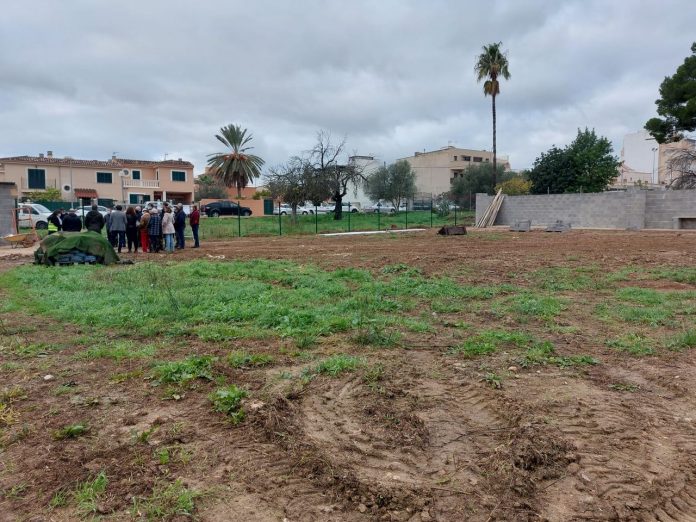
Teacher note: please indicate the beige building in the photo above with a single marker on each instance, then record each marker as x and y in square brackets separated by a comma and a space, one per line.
[667, 152]
[104, 182]
[435, 170]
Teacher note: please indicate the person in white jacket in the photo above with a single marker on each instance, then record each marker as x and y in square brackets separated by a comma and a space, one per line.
[168, 229]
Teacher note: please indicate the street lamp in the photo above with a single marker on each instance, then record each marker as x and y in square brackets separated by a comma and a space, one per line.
[655, 181]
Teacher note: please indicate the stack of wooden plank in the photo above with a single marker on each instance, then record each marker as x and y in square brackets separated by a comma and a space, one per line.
[488, 218]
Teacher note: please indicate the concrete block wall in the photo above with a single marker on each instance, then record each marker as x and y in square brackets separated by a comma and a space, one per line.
[7, 206]
[617, 210]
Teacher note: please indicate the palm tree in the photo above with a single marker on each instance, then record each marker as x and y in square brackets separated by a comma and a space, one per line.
[235, 168]
[491, 64]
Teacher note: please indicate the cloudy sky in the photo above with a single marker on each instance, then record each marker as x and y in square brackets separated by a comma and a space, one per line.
[143, 78]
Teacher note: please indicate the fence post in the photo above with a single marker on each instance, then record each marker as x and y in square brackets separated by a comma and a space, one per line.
[349, 216]
[431, 211]
[379, 214]
[406, 225]
[316, 220]
[280, 220]
[455, 214]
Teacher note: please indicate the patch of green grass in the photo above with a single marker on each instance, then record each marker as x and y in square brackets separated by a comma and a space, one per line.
[334, 366]
[36, 349]
[117, 350]
[71, 431]
[562, 279]
[373, 374]
[525, 305]
[488, 341]
[644, 296]
[228, 400]
[59, 499]
[633, 343]
[544, 353]
[376, 335]
[87, 493]
[679, 275]
[401, 268]
[241, 359]
[126, 376]
[305, 341]
[625, 387]
[163, 456]
[683, 341]
[14, 394]
[651, 315]
[167, 501]
[179, 372]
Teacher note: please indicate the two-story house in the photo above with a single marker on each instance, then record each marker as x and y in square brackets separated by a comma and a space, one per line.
[108, 182]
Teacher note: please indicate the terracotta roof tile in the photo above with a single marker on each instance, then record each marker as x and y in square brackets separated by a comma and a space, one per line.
[112, 164]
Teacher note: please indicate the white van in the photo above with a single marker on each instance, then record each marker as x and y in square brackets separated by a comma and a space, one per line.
[32, 214]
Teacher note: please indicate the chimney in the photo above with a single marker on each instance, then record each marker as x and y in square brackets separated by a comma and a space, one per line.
[49, 153]
[40, 154]
[113, 157]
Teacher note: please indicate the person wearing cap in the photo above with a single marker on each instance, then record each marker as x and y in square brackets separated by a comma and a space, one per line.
[71, 222]
[179, 225]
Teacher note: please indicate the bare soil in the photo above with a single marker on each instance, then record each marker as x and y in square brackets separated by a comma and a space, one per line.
[430, 440]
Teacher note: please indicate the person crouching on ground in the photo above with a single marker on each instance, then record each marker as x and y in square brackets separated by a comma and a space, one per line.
[144, 237]
[194, 220]
[94, 221]
[118, 226]
[168, 230]
[154, 230]
[71, 222]
[132, 229]
[179, 225]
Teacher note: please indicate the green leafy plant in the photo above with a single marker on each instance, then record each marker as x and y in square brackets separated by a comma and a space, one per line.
[228, 400]
[239, 359]
[493, 380]
[71, 431]
[633, 343]
[166, 502]
[194, 367]
[87, 493]
[683, 341]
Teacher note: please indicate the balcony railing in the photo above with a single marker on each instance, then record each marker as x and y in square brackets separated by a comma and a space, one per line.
[49, 183]
[141, 183]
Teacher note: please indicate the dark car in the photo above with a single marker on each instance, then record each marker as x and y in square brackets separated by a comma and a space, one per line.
[225, 208]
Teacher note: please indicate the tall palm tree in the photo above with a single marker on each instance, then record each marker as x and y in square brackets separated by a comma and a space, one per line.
[491, 64]
[236, 167]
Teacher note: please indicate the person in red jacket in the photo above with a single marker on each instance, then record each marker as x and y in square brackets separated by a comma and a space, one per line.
[194, 220]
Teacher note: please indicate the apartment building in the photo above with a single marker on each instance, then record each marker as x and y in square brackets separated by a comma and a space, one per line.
[435, 170]
[106, 183]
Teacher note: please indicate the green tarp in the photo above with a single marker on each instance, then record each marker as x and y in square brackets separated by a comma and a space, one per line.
[65, 242]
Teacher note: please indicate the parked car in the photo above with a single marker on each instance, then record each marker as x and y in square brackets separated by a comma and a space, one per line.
[384, 208]
[421, 205]
[286, 210]
[101, 209]
[225, 208]
[330, 207]
[32, 214]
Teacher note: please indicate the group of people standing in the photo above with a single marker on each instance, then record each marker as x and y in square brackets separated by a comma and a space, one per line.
[151, 229]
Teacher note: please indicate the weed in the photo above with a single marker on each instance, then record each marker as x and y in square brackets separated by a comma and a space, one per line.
[17, 491]
[560, 279]
[623, 386]
[240, 359]
[333, 366]
[125, 376]
[163, 456]
[540, 306]
[117, 350]
[143, 437]
[493, 380]
[229, 401]
[373, 375]
[401, 268]
[87, 493]
[166, 501]
[683, 341]
[305, 341]
[633, 343]
[194, 367]
[488, 342]
[8, 416]
[10, 395]
[652, 315]
[680, 275]
[544, 353]
[35, 349]
[71, 431]
[59, 499]
[372, 334]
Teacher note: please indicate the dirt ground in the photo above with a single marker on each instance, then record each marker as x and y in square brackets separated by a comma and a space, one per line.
[431, 441]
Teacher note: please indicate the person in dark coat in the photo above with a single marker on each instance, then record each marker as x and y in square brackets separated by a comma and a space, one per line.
[179, 225]
[71, 222]
[132, 229]
[94, 221]
[154, 229]
[55, 222]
